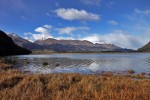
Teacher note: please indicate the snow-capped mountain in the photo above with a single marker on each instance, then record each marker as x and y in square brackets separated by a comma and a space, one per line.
[100, 42]
[65, 45]
[24, 43]
[13, 34]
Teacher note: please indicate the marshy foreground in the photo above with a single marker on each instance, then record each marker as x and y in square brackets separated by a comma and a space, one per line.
[17, 85]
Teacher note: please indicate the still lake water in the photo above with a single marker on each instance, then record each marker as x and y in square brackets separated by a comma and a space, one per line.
[84, 63]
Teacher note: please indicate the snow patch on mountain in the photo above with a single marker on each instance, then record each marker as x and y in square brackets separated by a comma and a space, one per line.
[13, 34]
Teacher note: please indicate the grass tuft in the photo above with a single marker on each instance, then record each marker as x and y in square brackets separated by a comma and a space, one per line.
[143, 73]
[131, 71]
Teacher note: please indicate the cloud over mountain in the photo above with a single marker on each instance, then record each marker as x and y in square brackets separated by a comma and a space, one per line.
[41, 33]
[118, 37]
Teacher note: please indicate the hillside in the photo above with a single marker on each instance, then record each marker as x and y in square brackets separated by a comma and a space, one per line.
[145, 48]
[8, 47]
[54, 45]
[75, 46]
[24, 43]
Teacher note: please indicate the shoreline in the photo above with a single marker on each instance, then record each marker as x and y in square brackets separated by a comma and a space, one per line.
[131, 72]
[89, 53]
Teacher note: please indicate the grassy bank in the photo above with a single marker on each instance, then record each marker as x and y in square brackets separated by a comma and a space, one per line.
[17, 85]
[100, 52]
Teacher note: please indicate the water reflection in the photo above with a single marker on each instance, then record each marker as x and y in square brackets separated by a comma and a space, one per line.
[83, 63]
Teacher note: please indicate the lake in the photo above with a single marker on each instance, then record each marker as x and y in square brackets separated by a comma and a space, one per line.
[83, 63]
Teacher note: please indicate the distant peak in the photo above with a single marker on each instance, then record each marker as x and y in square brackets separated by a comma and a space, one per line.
[100, 42]
[13, 34]
[62, 38]
[43, 37]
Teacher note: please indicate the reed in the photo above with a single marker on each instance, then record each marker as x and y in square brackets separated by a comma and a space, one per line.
[16, 85]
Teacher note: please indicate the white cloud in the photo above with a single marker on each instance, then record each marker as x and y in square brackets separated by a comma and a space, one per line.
[66, 30]
[117, 37]
[41, 36]
[74, 14]
[41, 30]
[145, 37]
[112, 22]
[48, 26]
[146, 12]
[65, 38]
[70, 30]
[29, 39]
[41, 33]
[28, 33]
[92, 38]
[91, 2]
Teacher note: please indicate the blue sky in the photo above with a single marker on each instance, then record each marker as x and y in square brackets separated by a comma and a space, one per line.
[125, 23]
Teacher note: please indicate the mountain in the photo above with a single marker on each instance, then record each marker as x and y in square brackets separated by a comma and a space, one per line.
[145, 48]
[8, 47]
[63, 42]
[24, 43]
[55, 45]
[76, 46]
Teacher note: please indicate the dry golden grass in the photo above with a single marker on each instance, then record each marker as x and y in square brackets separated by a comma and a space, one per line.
[131, 71]
[16, 85]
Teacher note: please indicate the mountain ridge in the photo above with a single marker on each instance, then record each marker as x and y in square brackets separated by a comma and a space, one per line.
[56, 45]
[145, 48]
[25, 43]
